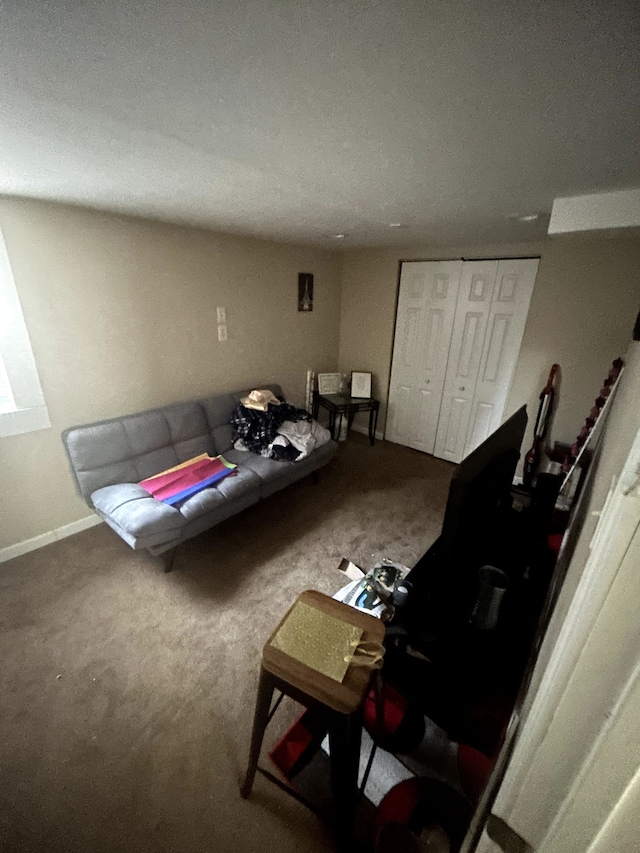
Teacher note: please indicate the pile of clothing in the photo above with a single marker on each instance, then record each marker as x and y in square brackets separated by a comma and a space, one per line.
[271, 427]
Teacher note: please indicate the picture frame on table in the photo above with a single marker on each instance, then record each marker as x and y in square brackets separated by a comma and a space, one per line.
[329, 383]
[361, 385]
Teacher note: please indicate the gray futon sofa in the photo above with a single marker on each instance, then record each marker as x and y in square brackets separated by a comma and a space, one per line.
[109, 459]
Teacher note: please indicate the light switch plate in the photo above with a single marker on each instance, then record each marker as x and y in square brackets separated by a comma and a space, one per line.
[222, 315]
[222, 333]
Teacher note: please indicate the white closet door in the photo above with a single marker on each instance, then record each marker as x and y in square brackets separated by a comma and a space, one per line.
[426, 310]
[507, 318]
[470, 325]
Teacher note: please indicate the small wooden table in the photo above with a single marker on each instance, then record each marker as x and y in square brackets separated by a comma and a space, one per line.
[339, 404]
[311, 688]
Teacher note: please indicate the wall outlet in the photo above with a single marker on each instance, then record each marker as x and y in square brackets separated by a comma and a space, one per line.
[222, 315]
[222, 333]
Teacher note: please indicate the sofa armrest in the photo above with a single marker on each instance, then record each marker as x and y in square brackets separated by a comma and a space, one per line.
[131, 510]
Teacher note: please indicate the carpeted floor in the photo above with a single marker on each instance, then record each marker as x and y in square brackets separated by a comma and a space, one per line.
[127, 694]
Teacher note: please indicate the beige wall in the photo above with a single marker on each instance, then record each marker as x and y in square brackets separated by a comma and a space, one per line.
[582, 313]
[122, 317]
[584, 304]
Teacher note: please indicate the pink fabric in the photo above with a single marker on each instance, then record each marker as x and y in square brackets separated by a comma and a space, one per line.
[153, 484]
[171, 484]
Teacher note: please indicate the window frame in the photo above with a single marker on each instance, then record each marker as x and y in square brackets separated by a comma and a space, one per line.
[29, 412]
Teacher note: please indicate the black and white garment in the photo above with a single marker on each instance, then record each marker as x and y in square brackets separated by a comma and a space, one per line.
[258, 430]
[281, 448]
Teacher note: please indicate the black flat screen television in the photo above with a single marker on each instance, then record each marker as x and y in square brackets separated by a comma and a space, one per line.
[476, 530]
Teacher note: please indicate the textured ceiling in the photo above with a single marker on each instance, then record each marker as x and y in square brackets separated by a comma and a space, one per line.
[299, 119]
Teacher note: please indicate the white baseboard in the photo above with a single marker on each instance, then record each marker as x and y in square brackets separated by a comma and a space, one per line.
[47, 538]
[365, 431]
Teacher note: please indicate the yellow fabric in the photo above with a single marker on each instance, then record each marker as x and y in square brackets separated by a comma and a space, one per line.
[182, 465]
[260, 400]
[369, 654]
[318, 640]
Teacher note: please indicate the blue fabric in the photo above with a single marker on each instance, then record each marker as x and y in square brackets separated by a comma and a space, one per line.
[197, 487]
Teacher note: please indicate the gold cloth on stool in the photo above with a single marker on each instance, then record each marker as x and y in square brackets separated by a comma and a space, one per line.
[318, 640]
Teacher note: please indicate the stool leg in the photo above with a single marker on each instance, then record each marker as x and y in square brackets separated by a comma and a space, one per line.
[345, 734]
[261, 718]
[367, 771]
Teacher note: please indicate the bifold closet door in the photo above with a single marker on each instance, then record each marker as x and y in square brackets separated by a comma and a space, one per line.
[493, 304]
[507, 317]
[467, 342]
[426, 310]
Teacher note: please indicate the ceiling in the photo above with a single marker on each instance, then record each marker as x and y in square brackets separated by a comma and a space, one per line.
[300, 119]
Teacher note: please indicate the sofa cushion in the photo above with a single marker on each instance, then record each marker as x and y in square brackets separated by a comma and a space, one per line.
[146, 432]
[273, 474]
[190, 432]
[100, 455]
[221, 512]
[155, 461]
[98, 445]
[134, 510]
[223, 438]
[243, 481]
[318, 457]
[201, 503]
[134, 447]
[218, 409]
[234, 488]
[162, 438]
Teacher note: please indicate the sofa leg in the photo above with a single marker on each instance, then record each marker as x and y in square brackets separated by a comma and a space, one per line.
[167, 559]
[315, 476]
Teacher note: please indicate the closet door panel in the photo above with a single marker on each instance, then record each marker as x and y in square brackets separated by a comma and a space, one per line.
[456, 422]
[426, 309]
[506, 322]
[467, 344]
[482, 417]
[403, 413]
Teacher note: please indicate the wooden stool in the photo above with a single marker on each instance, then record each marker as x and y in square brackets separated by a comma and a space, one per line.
[311, 688]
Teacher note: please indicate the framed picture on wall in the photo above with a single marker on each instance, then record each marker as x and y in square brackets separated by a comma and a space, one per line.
[360, 384]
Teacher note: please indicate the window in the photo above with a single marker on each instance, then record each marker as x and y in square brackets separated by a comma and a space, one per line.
[7, 403]
[22, 405]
